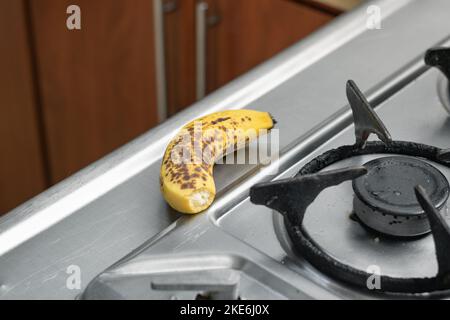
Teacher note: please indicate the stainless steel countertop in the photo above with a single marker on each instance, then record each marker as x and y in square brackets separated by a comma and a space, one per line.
[100, 214]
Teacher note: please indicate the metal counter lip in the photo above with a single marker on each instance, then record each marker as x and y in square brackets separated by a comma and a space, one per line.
[60, 201]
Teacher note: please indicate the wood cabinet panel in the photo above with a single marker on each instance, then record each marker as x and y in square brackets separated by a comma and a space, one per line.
[179, 31]
[21, 159]
[97, 84]
[252, 31]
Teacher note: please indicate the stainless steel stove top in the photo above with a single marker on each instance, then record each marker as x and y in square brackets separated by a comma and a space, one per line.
[237, 248]
[252, 239]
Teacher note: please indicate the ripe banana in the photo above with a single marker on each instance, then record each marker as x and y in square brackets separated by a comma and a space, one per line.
[186, 176]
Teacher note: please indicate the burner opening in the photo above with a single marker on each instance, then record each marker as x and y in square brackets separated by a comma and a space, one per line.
[385, 200]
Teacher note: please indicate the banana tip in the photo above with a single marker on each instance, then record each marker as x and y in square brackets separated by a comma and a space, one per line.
[273, 119]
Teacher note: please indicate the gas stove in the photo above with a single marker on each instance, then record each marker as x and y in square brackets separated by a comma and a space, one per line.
[395, 199]
[338, 216]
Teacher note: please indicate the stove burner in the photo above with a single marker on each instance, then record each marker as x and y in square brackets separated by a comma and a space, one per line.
[385, 201]
[292, 197]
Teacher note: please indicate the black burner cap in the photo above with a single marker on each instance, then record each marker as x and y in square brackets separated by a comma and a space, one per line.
[389, 185]
[385, 200]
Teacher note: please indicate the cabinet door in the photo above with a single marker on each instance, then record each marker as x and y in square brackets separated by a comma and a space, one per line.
[252, 31]
[22, 173]
[97, 84]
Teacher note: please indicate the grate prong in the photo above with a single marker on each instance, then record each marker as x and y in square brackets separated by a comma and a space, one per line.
[444, 155]
[296, 194]
[366, 120]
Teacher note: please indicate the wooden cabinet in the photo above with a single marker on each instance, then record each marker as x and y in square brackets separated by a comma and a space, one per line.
[97, 84]
[22, 160]
[251, 31]
[69, 97]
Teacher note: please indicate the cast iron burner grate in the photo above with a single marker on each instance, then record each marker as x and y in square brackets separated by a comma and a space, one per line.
[291, 198]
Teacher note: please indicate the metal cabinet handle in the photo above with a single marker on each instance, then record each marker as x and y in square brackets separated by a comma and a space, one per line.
[200, 28]
[160, 61]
